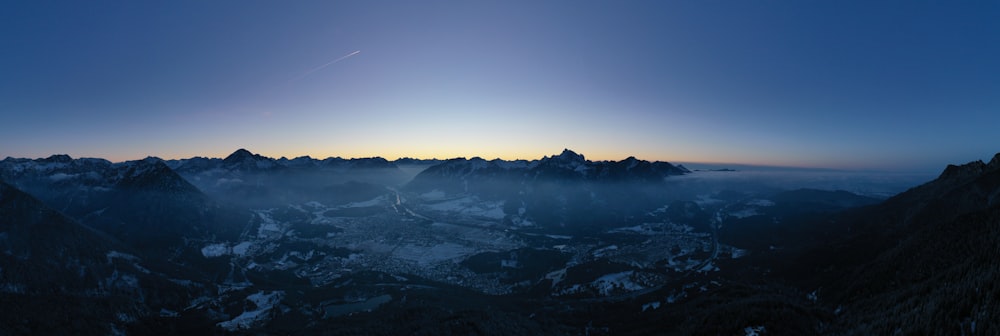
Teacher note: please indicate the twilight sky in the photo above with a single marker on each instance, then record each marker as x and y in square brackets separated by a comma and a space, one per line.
[900, 85]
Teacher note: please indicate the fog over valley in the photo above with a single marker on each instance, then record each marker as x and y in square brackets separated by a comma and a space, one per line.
[443, 167]
[559, 245]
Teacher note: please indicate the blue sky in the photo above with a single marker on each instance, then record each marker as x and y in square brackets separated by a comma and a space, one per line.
[902, 85]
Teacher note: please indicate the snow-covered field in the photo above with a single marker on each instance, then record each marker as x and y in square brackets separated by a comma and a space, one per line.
[223, 249]
[616, 282]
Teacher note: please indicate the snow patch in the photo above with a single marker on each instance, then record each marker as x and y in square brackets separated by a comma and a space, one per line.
[249, 319]
[556, 276]
[709, 267]
[268, 227]
[674, 296]
[241, 249]
[111, 255]
[115, 254]
[610, 283]
[750, 212]
[813, 296]
[601, 251]
[754, 331]
[215, 250]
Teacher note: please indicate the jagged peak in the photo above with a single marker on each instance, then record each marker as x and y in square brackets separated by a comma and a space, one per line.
[57, 158]
[144, 166]
[370, 163]
[631, 162]
[570, 155]
[152, 173]
[974, 167]
[244, 159]
[299, 160]
[369, 159]
[994, 163]
[240, 155]
[152, 159]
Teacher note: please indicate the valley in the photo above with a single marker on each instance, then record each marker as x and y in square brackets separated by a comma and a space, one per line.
[560, 245]
[370, 168]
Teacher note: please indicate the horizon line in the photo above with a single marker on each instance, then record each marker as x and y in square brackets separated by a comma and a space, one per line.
[713, 164]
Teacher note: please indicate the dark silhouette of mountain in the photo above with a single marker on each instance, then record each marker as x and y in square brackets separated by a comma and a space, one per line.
[250, 179]
[193, 165]
[561, 192]
[416, 162]
[57, 158]
[569, 166]
[566, 166]
[241, 155]
[937, 272]
[143, 203]
[478, 175]
[635, 169]
[246, 161]
[60, 277]
[492, 178]
[74, 187]
[157, 246]
[42, 242]
[811, 200]
[153, 208]
[152, 174]
[243, 159]
[922, 262]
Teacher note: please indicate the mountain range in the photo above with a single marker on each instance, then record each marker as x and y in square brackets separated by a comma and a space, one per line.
[558, 245]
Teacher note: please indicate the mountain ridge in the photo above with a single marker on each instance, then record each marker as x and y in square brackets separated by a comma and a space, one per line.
[610, 241]
[47, 256]
[568, 165]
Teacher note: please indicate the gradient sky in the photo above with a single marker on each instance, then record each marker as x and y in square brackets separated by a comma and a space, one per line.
[899, 85]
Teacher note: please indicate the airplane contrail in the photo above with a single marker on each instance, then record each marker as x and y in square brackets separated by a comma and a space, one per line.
[324, 66]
